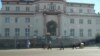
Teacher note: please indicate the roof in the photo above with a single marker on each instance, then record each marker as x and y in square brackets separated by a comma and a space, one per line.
[80, 3]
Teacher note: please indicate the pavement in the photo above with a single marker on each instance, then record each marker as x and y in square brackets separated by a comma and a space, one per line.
[87, 51]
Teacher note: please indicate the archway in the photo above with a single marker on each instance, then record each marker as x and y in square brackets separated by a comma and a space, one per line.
[51, 27]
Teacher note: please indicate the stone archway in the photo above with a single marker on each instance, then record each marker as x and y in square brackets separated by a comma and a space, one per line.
[51, 27]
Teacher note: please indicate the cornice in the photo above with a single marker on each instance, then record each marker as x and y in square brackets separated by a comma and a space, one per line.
[29, 2]
[83, 15]
[67, 14]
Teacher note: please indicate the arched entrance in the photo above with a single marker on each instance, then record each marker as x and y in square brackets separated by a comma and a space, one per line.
[51, 27]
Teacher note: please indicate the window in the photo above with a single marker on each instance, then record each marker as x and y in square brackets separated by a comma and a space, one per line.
[71, 11]
[51, 7]
[7, 20]
[27, 9]
[80, 10]
[98, 21]
[80, 21]
[44, 6]
[16, 20]
[7, 8]
[89, 32]
[58, 7]
[81, 32]
[17, 32]
[89, 21]
[7, 32]
[17, 8]
[35, 32]
[72, 21]
[98, 31]
[72, 32]
[37, 8]
[88, 11]
[27, 32]
[27, 20]
[65, 32]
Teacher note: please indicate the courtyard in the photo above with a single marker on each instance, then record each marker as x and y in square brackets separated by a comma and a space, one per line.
[87, 51]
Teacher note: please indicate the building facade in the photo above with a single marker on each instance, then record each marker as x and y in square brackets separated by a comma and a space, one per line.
[24, 19]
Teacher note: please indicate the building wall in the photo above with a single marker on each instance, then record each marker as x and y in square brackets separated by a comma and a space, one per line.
[66, 26]
[36, 23]
[37, 18]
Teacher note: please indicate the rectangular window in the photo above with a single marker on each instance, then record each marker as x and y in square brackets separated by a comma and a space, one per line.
[98, 21]
[89, 32]
[80, 10]
[65, 32]
[72, 21]
[7, 8]
[27, 32]
[27, 8]
[51, 7]
[81, 32]
[88, 10]
[17, 32]
[7, 32]
[89, 21]
[72, 32]
[80, 21]
[35, 32]
[17, 8]
[37, 8]
[7, 20]
[16, 20]
[71, 10]
[44, 6]
[27, 20]
[58, 7]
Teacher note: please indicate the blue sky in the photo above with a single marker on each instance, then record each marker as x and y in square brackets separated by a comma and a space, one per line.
[96, 2]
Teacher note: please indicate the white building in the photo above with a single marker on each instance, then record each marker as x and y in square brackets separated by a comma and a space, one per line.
[28, 18]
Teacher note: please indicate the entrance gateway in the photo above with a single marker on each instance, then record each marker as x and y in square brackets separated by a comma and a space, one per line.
[51, 28]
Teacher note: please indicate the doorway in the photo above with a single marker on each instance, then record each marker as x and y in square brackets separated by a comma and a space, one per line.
[51, 27]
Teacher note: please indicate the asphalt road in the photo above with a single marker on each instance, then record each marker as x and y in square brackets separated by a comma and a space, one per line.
[89, 51]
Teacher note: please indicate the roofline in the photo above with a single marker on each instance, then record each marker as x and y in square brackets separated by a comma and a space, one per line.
[80, 3]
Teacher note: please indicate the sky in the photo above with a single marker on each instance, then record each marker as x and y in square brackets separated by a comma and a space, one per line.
[96, 2]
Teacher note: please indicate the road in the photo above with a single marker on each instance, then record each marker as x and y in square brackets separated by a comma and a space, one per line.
[89, 51]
